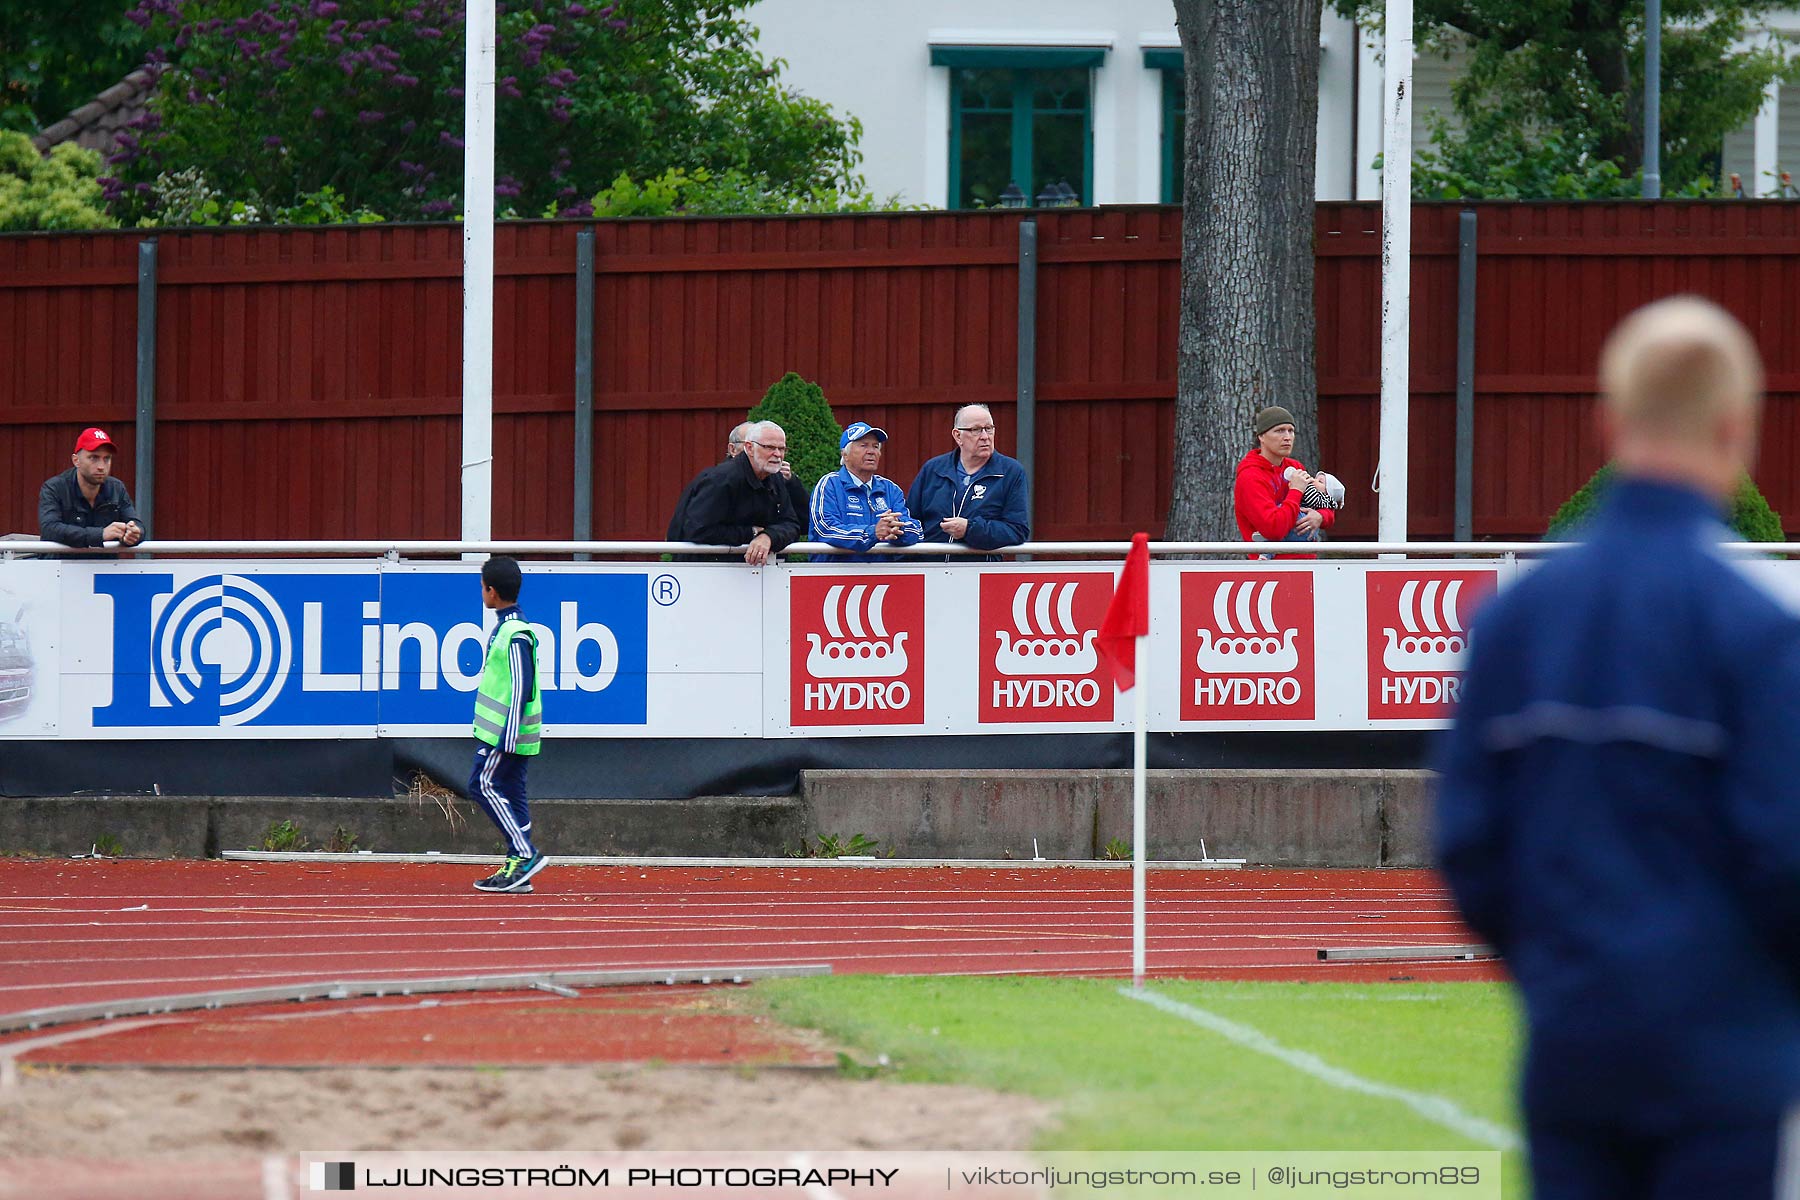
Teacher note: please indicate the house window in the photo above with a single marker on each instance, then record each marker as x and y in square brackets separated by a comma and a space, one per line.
[1019, 115]
[1174, 120]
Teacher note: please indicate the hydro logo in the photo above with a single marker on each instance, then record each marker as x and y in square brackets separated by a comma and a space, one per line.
[1038, 661]
[857, 649]
[321, 650]
[1418, 623]
[1247, 646]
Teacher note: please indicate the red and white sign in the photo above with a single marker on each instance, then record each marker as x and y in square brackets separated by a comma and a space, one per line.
[1038, 661]
[1417, 632]
[857, 649]
[1247, 643]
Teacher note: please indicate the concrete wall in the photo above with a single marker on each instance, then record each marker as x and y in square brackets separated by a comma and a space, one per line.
[1297, 818]
[1300, 818]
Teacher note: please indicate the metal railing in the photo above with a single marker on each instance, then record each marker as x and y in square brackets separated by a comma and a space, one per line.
[398, 549]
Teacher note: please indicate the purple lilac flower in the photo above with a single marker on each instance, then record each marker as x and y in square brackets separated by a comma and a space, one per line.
[272, 142]
[369, 116]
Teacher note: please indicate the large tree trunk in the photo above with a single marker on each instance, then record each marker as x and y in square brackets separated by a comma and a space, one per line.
[1246, 332]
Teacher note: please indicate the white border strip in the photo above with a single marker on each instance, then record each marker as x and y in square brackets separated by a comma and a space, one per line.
[848, 860]
[1436, 1109]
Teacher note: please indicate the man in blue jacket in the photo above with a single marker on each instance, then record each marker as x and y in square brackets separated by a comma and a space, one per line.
[854, 507]
[1618, 813]
[973, 495]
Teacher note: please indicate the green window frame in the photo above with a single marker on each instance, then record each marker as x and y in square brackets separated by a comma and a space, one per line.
[1174, 120]
[1025, 104]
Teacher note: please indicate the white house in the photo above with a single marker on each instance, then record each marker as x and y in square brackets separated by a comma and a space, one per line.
[959, 98]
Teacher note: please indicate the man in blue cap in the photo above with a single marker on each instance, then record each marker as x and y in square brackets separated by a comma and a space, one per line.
[855, 508]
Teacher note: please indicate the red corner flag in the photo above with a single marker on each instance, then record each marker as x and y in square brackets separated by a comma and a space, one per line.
[1128, 616]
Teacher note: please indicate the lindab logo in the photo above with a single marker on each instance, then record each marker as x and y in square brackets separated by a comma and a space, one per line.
[857, 649]
[1038, 661]
[1418, 627]
[1247, 646]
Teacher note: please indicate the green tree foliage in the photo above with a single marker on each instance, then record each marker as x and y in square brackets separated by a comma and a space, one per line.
[679, 192]
[1750, 514]
[55, 192]
[803, 413]
[1553, 92]
[56, 57]
[275, 100]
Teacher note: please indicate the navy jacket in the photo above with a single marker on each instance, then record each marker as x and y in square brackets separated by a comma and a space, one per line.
[1618, 816]
[65, 516]
[997, 501]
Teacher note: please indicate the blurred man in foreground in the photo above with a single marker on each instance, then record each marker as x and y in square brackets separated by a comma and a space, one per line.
[1617, 814]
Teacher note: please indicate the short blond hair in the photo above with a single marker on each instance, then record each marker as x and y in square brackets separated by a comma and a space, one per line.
[1674, 368]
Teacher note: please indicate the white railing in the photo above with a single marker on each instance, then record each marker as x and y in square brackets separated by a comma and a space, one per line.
[437, 549]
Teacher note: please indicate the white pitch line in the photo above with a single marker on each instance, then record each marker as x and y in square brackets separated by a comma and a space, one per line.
[10, 1051]
[1439, 1110]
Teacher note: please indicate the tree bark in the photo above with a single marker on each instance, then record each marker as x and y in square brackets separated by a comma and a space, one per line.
[1245, 338]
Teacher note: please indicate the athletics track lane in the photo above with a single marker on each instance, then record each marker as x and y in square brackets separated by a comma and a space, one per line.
[75, 932]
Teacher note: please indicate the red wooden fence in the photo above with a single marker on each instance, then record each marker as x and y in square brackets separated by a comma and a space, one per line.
[308, 380]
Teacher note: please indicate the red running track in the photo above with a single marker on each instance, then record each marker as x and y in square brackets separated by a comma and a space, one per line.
[75, 932]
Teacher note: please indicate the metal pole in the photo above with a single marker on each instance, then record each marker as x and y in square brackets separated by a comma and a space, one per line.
[478, 276]
[145, 481]
[1652, 99]
[584, 388]
[1027, 395]
[1465, 377]
[1396, 269]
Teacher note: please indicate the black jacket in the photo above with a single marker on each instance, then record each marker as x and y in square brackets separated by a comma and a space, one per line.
[678, 522]
[724, 503]
[65, 516]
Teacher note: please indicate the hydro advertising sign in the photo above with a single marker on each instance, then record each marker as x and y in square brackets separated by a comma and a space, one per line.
[1418, 629]
[1247, 646]
[1038, 661]
[857, 649]
[318, 650]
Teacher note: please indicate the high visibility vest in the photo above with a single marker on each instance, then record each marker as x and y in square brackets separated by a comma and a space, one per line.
[493, 701]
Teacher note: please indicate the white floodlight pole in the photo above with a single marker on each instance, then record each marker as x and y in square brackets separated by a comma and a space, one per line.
[478, 276]
[1396, 267]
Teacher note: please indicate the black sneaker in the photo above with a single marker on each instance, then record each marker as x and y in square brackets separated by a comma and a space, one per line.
[514, 875]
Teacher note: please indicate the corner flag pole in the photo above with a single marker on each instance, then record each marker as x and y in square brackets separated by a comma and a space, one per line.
[1139, 760]
[1122, 633]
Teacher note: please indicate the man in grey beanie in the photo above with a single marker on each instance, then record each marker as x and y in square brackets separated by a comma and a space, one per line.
[1269, 495]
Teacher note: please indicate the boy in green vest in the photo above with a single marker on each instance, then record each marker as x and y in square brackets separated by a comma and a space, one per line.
[509, 724]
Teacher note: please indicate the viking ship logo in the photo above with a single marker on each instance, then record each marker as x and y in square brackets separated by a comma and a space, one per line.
[1059, 649]
[869, 651]
[1436, 648]
[1249, 640]
[223, 626]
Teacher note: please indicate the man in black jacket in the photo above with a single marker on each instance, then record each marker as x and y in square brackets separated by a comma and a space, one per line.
[85, 505]
[745, 500]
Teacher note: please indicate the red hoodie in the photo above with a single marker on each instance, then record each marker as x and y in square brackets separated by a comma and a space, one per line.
[1264, 502]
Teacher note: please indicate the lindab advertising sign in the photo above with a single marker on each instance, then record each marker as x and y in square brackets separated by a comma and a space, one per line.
[857, 645]
[1418, 630]
[1038, 661]
[1247, 646]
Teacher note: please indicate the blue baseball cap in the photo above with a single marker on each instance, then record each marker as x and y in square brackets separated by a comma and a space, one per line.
[860, 429]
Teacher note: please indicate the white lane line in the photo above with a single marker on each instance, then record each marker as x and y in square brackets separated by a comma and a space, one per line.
[10, 1051]
[679, 957]
[1439, 1110]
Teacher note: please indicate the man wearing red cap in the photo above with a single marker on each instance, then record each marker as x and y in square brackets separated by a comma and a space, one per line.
[85, 505]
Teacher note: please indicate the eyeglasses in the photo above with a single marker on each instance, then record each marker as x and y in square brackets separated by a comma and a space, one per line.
[782, 449]
[977, 430]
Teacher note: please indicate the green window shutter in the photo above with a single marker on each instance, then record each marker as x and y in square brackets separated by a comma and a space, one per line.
[1161, 58]
[1018, 57]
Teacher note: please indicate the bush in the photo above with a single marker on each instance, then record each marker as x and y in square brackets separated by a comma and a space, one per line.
[680, 192]
[803, 413]
[57, 192]
[1750, 516]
